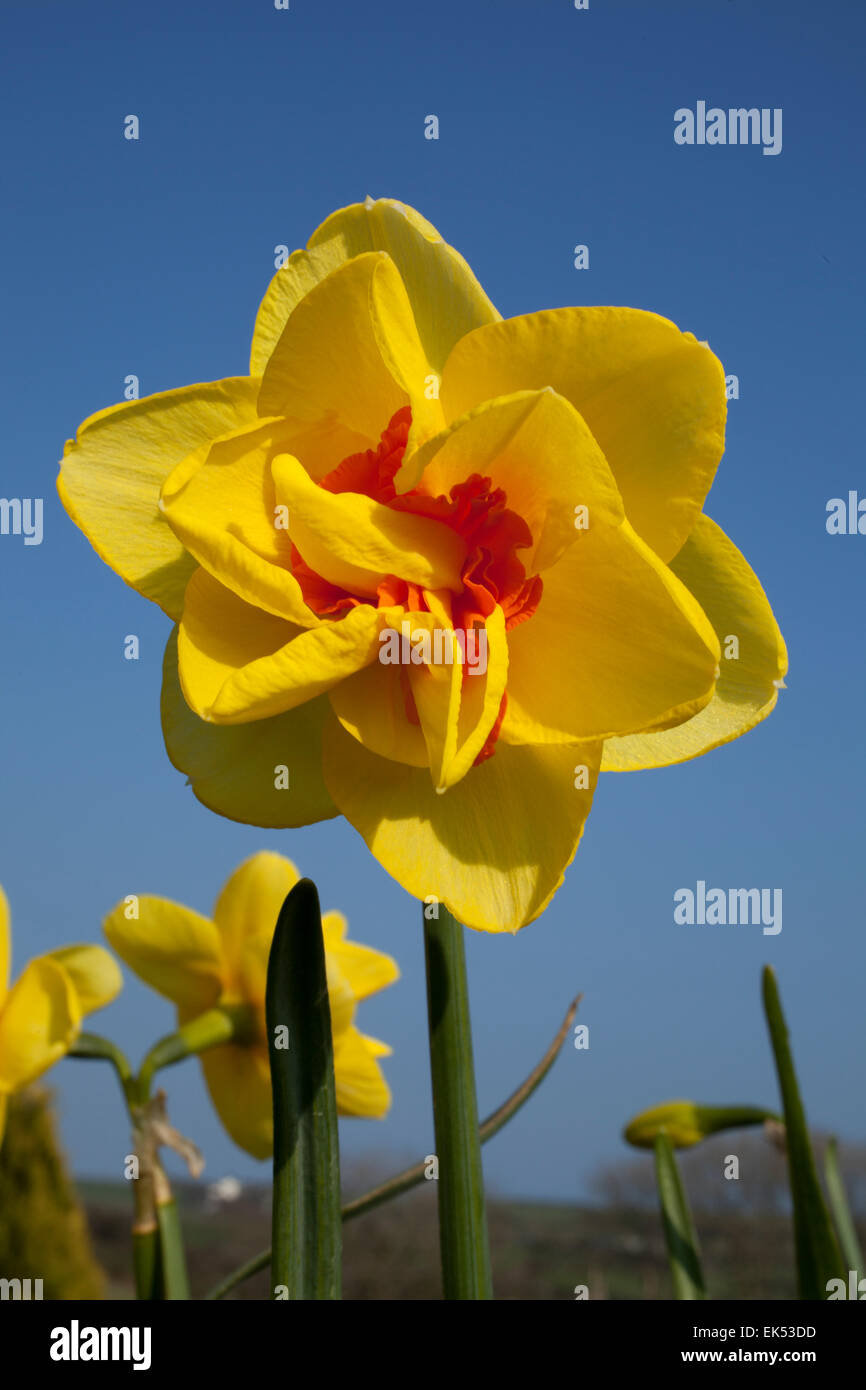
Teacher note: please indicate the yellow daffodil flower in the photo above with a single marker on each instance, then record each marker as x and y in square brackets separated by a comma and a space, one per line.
[400, 467]
[41, 1014]
[199, 964]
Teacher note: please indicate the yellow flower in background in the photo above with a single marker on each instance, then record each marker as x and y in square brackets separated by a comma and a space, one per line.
[41, 1014]
[403, 466]
[199, 964]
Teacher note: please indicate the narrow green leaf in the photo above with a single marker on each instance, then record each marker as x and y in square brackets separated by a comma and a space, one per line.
[680, 1236]
[841, 1210]
[306, 1234]
[818, 1256]
[462, 1217]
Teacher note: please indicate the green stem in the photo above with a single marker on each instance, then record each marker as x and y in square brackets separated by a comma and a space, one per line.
[159, 1263]
[680, 1235]
[175, 1283]
[306, 1235]
[220, 1025]
[91, 1047]
[411, 1177]
[146, 1265]
[462, 1218]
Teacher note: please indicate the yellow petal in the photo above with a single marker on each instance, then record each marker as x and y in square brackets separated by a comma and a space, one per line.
[354, 541]
[350, 350]
[447, 300]
[173, 949]
[436, 691]
[654, 398]
[268, 772]
[729, 592]
[237, 664]
[39, 1022]
[537, 448]
[366, 970]
[361, 1086]
[480, 847]
[111, 475]
[95, 975]
[239, 1082]
[221, 505]
[220, 635]
[458, 711]
[371, 706]
[5, 945]
[246, 916]
[617, 644]
[341, 1000]
[322, 444]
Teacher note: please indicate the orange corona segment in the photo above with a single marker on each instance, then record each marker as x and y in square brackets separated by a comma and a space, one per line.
[492, 574]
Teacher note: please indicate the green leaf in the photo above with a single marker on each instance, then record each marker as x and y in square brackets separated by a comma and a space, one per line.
[462, 1217]
[307, 1234]
[818, 1256]
[680, 1236]
[841, 1210]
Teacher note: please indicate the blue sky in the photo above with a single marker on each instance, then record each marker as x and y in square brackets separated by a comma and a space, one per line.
[556, 128]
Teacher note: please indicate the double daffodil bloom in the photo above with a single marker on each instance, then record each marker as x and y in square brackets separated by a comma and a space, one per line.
[199, 964]
[40, 1016]
[402, 466]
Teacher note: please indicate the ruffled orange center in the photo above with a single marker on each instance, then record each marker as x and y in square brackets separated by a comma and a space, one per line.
[492, 573]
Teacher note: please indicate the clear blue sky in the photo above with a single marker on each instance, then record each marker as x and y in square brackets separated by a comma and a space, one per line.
[556, 128]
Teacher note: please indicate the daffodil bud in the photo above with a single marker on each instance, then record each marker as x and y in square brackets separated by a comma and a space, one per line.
[686, 1123]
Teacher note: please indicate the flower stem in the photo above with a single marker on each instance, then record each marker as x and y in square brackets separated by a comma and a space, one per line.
[307, 1232]
[146, 1265]
[158, 1259]
[218, 1025]
[463, 1240]
[175, 1282]
[680, 1236]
